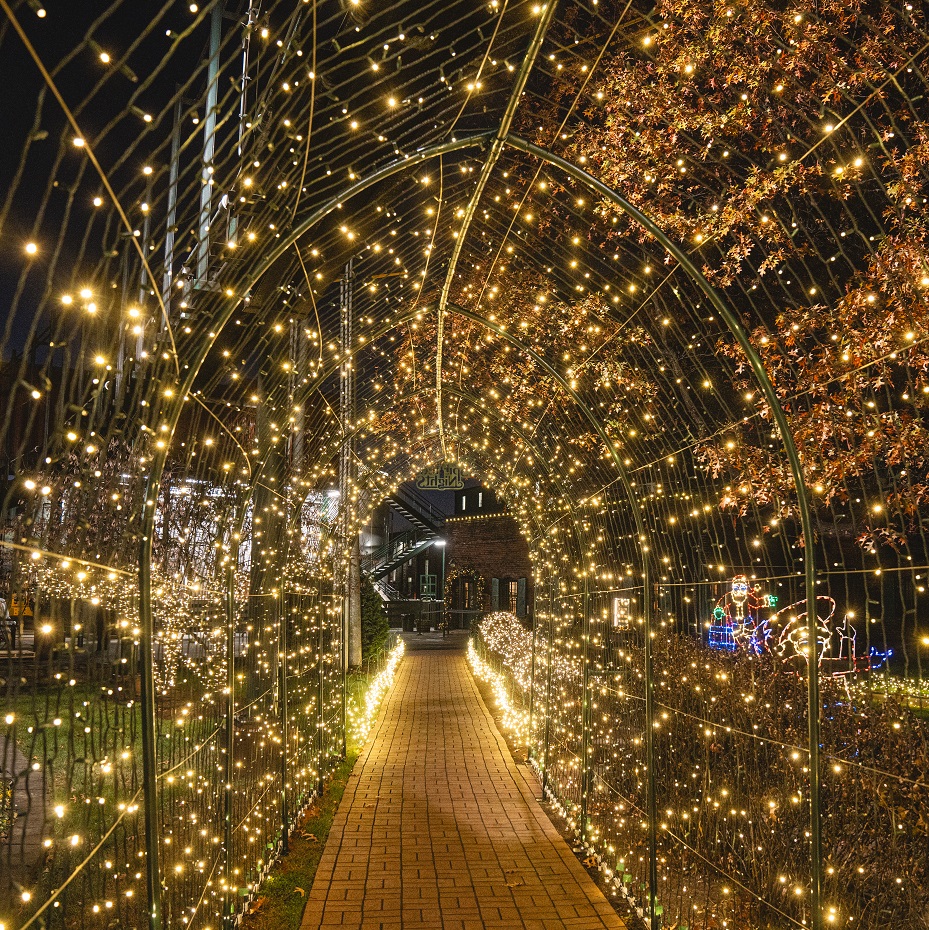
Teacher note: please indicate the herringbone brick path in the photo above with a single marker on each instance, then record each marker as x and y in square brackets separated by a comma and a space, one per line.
[439, 829]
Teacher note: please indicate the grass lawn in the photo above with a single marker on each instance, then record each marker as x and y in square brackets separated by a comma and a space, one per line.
[283, 896]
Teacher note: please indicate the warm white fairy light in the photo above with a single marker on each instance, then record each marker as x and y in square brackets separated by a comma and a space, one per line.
[362, 717]
[181, 605]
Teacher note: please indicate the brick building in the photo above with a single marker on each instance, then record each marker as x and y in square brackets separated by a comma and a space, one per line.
[488, 558]
[467, 551]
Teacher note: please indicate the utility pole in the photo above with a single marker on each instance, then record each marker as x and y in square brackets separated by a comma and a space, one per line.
[167, 281]
[209, 147]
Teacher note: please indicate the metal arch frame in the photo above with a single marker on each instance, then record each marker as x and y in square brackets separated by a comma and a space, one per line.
[473, 398]
[334, 366]
[648, 600]
[378, 332]
[455, 391]
[796, 470]
[467, 395]
[493, 156]
[222, 316]
[553, 372]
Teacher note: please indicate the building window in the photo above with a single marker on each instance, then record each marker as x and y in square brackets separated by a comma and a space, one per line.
[512, 595]
[428, 585]
[480, 499]
[464, 502]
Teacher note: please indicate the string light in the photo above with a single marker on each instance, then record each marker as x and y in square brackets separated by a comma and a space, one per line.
[571, 343]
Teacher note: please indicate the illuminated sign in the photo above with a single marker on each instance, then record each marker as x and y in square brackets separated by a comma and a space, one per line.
[441, 478]
[622, 614]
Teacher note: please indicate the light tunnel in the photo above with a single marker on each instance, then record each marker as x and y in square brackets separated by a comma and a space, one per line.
[654, 275]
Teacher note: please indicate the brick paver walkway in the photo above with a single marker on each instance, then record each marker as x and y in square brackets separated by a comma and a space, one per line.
[439, 828]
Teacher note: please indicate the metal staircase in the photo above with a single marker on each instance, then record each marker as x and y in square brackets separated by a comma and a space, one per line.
[427, 522]
[419, 511]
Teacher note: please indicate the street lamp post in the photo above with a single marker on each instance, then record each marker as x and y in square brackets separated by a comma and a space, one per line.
[441, 544]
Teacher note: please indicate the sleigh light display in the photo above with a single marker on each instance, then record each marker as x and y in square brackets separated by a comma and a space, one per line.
[747, 620]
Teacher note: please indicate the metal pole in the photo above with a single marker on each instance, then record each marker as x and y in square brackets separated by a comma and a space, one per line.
[149, 727]
[229, 910]
[248, 28]
[585, 711]
[285, 814]
[548, 682]
[246, 46]
[345, 622]
[209, 144]
[652, 787]
[813, 722]
[320, 717]
[167, 281]
[347, 417]
[535, 639]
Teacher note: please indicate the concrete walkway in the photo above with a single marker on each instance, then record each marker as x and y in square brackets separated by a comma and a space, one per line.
[439, 828]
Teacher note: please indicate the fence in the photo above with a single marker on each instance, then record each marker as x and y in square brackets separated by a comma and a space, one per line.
[424, 615]
[689, 776]
[248, 721]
